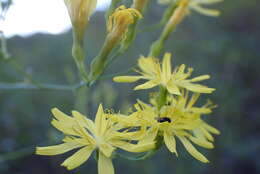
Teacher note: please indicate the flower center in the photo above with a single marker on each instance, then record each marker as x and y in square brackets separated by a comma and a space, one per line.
[163, 119]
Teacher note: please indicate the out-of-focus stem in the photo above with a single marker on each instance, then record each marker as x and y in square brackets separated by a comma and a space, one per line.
[4, 51]
[99, 62]
[140, 5]
[162, 97]
[176, 18]
[81, 102]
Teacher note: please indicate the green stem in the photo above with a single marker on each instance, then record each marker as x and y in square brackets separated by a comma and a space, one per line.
[81, 103]
[170, 26]
[159, 141]
[23, 152]
[47, 86]
[162, 97]
[99, 63]
[4, 51]
[158, 45]
[78, 53]
[42, 86]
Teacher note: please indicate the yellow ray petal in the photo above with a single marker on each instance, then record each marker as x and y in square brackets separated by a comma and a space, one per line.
[100, 120]
[105, 165]
[173, 89]
[65, 127]
[82, 141]
[170, 142]
[200, 78]
[78, 158]
[166, 66]
[84, 121]
[61, 116]
[207, 134]
[200, 110]
[106, 149]
[202, 142]
[57, 149]
[180, 69]
[211, 128]
[193, 100]
[147, 85]
[134, 135]
[196, 87]
[147, 65]
[151, 135]
[126, 79]
[205, 11]
[82, 132]
[210, 1]
[135, 148]
[192, 150]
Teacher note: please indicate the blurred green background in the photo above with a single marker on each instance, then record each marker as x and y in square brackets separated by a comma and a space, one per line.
[227, 48]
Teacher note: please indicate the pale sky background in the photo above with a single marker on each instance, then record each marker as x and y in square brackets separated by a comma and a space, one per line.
[26, 17]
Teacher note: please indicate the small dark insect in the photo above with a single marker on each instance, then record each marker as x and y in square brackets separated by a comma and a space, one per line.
[163, 119]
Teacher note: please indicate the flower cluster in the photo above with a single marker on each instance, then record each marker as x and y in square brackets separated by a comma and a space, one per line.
[170, 115]
[177, 116]
[145, 129]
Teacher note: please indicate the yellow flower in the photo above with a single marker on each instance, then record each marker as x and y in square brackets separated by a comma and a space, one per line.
[120, 20]
[81, 132]
[180, 119]
[197, 5]
[156, 74]
[195, 130]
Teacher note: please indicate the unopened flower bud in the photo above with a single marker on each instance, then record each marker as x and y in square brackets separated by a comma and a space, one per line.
[121, 19]
[118, 25]
[80, 11]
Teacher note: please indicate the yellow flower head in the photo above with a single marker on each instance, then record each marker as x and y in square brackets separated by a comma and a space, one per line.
[171, 123]
[80, 11]
[86, 135]
[121, 19]
[188, 126]
[158, 74]
[197, 5]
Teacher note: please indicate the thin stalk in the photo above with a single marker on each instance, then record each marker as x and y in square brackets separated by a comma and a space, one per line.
[162, 97]
[78, 53]
[177, 15]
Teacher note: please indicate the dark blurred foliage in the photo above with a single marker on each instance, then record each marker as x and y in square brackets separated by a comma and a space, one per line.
[227, 48]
